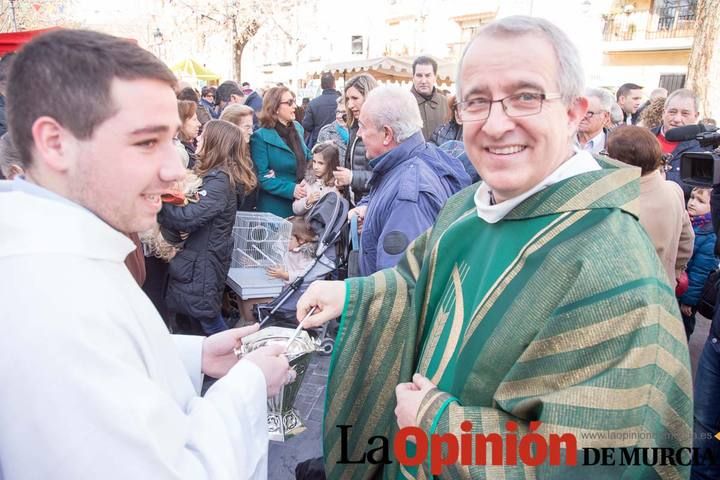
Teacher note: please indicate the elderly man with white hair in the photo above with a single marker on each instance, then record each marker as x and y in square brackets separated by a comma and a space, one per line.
[592, 130]
[411, 180]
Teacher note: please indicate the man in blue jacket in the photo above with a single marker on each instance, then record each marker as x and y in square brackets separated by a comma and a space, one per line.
[411, 180]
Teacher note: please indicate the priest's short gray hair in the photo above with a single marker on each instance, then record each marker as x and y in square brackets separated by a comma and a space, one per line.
[570, 76]
[394, 107]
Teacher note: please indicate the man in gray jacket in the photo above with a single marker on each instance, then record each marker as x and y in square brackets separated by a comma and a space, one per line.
[433, 104]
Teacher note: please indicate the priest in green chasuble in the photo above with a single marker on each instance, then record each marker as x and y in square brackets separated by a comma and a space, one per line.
[535, 302]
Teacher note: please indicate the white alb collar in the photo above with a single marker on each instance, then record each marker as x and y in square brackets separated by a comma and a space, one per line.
[581, 162]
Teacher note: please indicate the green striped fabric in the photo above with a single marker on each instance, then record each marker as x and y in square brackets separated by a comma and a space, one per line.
[559, 313]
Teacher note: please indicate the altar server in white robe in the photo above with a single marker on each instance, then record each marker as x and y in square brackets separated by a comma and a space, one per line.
[93, 385]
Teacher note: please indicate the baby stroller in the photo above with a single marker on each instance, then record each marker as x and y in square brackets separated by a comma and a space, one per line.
[328, 219]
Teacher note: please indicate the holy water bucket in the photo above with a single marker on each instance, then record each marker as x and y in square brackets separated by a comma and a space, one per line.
[283, 420]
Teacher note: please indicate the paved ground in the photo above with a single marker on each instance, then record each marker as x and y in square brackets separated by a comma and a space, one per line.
[697, 340]
[309, 403]
[284, 456]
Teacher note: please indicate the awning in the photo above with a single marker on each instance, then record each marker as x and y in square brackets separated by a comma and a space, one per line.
[9, 42]
[386, 69]
[190, 68]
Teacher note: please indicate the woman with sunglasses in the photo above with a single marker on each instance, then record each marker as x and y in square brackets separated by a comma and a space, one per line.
[279, 154]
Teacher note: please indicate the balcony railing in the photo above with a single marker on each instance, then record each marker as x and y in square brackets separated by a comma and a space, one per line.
[668, 22]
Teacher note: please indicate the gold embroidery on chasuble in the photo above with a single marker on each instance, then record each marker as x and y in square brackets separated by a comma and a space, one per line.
[452, 307]
[538, 241]
[359, 359]
[432, 267]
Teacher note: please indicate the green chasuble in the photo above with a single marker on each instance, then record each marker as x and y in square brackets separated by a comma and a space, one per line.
[559, 313]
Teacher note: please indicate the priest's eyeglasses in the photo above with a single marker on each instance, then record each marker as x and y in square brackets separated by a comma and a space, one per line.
[477, 109]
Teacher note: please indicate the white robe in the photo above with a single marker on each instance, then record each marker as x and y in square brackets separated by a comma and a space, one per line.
[92, 386]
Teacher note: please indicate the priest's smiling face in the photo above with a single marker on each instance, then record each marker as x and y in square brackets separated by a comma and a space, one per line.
[512, 154]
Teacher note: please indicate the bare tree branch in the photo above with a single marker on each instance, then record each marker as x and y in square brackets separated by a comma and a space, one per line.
[704, 62]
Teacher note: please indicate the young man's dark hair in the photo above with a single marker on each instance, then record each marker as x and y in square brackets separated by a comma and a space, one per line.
[327, 81]
[625, 89]
[423, 60]
[245, 84]
[226, 90]
[206, 90]
[189, 94]
[54, 76]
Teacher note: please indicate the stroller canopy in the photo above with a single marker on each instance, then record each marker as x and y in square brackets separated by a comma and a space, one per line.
[328, 217]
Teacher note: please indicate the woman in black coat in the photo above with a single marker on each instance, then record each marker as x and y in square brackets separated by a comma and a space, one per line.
[356, 169]
[198, 272]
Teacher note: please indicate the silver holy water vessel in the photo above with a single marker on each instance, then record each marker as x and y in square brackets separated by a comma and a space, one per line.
[283, 420]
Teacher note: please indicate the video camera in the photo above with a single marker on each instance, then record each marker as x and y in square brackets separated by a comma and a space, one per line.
[698, 169]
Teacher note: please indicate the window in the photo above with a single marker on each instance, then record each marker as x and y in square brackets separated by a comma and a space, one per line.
[672, 81]
[357, 45]
[671, 11]
[469, 31]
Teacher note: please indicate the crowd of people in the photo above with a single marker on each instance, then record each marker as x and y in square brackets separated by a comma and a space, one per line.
[528, 253]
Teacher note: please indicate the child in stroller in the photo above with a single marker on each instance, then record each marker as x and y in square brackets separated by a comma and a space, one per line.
[311, 256]
[300, 254]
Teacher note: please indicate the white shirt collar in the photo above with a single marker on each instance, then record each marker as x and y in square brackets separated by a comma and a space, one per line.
[581, 162]
[595, 144]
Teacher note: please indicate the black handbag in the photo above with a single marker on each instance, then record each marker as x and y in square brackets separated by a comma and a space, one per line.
[708, 298]
[312, 469]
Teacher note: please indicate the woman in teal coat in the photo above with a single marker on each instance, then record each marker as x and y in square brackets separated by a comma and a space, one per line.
[279, 154]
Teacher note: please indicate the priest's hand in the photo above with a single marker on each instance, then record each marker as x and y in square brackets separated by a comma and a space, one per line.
[409, 396]
[328, 299]
[218, 356]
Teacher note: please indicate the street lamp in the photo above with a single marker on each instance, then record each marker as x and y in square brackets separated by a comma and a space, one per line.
[158, 37]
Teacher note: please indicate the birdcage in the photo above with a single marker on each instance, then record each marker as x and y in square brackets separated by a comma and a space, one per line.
[261, 240]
